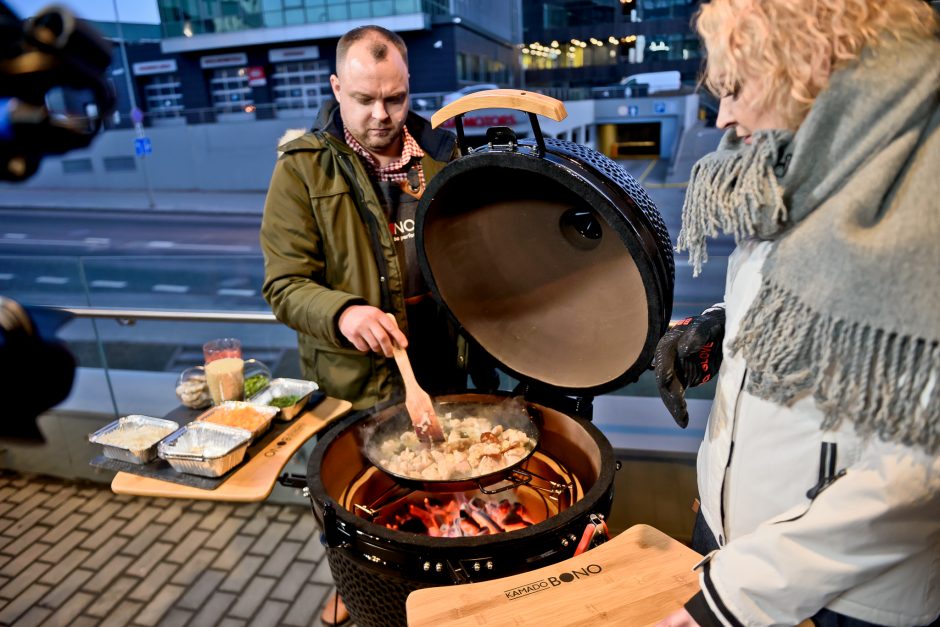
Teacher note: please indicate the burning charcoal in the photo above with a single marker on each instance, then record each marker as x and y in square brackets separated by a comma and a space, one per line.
[512, 518]
[465, 517]
[485, 521]
[520, 510]
[413, 525]
[505, 507]
[425, 517]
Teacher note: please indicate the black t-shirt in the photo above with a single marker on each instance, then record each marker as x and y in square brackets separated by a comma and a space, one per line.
[430, 339]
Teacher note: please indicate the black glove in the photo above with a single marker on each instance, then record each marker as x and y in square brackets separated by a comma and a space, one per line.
[689, 354]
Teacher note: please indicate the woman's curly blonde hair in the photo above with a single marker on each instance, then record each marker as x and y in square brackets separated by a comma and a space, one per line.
[789, 48]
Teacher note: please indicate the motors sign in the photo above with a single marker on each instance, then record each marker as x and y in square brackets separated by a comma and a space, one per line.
[485, 121]
[162, 66]
[223, 60]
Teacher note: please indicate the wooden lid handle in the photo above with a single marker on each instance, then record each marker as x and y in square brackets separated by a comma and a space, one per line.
[527, 101]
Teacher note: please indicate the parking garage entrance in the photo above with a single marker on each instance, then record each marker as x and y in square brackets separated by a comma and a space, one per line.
[638, 140]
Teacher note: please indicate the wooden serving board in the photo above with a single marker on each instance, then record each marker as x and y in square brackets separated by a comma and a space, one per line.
[255, 479]
[160, 469]
[637, 578]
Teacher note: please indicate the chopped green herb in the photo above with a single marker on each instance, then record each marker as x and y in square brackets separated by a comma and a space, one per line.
[255, 384]
[284, 401]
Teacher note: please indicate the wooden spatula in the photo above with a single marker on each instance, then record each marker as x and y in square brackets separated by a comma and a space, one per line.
[417, 401]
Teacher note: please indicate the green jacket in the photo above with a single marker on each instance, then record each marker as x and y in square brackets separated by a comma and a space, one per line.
[326, 245]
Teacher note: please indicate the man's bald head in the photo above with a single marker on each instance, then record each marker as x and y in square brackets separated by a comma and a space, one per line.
[377, 39]
[371, 87]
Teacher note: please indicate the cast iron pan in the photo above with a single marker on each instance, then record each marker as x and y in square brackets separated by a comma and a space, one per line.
[511, 414]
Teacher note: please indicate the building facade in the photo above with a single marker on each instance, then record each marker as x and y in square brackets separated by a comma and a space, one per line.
[227, 60]
[588, 43]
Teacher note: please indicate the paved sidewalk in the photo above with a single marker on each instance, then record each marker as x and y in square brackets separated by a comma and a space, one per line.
[75, 554]
[19, 197]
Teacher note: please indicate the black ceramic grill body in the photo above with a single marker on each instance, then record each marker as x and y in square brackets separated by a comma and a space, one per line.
[557, 264]
[375, 568]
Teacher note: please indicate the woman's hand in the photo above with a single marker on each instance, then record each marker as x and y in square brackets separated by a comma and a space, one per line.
[679, 618]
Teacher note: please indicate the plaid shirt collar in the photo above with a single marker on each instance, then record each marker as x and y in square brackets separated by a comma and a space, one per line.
[396, 170]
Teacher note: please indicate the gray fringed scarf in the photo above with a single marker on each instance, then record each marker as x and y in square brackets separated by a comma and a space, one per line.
[849, 307]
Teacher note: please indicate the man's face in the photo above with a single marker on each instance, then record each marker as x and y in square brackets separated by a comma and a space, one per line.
[373, 96]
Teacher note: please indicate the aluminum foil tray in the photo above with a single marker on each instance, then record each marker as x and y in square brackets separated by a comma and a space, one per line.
[279, 388]
[133, 438]
[253, 418]
[205, 448]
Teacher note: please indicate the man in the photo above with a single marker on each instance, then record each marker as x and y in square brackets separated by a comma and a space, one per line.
[338, 231]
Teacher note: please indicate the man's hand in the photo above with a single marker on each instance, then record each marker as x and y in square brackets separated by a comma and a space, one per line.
[689, 354]
[370, 329]
[679, 618]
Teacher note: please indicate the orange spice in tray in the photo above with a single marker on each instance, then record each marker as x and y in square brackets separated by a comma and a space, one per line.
[250, 417]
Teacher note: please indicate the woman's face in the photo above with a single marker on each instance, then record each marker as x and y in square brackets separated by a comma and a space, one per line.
[737, 109]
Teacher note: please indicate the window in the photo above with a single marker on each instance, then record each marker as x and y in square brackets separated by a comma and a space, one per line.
[301, 86]
[76, 166]
[119, 164]
[230, 90]
[162, 96]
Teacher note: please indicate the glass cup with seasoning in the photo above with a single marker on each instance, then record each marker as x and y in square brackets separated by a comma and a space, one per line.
[225, 374]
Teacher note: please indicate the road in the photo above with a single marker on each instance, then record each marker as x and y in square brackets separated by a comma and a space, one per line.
[130, 259]
[214, 260]
[89, 233]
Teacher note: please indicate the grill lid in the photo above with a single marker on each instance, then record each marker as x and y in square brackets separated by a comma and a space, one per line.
[550, 256]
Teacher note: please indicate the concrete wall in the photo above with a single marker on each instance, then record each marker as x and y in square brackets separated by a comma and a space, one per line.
[239, 155]
[234, 156]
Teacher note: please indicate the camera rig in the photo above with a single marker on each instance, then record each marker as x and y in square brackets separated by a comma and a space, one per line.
[53, 90]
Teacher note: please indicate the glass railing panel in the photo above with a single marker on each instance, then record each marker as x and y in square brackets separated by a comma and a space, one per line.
[126, 368]
[43, 280]
[231, 282]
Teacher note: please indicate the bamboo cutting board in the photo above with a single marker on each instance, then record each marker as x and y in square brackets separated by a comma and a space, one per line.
[255, 480]
[636, 578]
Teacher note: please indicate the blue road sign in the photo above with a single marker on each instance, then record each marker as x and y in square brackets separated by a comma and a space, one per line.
[142, 146]
[633, 111]
[659, 106]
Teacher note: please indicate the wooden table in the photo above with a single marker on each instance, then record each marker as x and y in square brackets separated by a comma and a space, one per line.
[637, 578]
[255, 480]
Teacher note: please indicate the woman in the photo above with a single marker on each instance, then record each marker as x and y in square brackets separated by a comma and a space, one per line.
[829, 393]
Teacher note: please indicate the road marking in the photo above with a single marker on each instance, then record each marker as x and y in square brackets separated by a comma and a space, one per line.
[647, 171]
[14, 235]
[42, 242]
[98, 241]
[111, 284]
[225, 291]
[224, 248]
[667, 185]
[172, 289]
[52, 280]
[6, 276]
[216, 248]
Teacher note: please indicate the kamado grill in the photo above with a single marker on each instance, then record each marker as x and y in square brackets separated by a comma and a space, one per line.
[554, 260]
